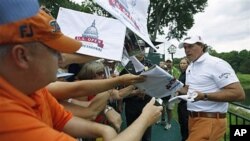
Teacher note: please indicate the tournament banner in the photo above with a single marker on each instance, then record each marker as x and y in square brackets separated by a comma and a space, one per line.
[101, 37]
[132, 13]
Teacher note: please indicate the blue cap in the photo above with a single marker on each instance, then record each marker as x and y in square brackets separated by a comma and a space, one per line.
[14, 10]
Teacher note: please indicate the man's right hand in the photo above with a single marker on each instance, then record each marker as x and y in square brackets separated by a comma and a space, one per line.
[182, 91]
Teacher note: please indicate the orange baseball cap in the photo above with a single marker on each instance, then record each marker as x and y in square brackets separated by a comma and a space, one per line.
[39, 28]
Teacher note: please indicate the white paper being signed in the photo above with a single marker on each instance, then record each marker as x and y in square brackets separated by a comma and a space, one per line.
[159, 83]
[188, 97]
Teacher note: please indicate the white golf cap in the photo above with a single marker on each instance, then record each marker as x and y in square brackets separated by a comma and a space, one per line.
[191, 40]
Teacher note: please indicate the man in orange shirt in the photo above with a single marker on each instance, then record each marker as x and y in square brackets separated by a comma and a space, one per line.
[29, 57]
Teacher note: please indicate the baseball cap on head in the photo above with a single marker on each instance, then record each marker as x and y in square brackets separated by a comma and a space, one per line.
[191, 40]
[14, 10]
[39, 28]
[169, 60]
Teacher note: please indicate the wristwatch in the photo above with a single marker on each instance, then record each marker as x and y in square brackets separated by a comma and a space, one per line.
[205, 97]
[107, 108]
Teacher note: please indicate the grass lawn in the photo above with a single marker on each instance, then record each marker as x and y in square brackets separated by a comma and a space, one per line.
[244, 80]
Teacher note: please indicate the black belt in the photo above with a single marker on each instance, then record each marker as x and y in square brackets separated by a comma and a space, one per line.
[207, 114]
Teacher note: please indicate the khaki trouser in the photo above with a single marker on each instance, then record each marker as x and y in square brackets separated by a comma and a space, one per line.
[206, 129]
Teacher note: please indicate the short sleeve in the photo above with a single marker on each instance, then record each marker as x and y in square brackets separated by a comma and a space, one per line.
[59, 115]
[224, 74]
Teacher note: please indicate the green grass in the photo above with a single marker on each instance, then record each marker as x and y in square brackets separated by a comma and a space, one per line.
[244, 80]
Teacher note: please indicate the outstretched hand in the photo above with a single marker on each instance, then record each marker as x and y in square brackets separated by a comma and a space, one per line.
[129, 79]
[151, 112]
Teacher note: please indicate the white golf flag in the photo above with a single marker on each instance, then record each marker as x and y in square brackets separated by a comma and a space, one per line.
[101, 37]
[132, 13]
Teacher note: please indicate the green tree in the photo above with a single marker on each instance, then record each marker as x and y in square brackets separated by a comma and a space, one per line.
[212, 51]
[239, 61]
[244, 56]
[53, 6]
[244, 67]
[176, 15]
[232, 58]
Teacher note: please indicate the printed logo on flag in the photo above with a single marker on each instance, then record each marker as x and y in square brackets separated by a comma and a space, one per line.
[123, 7]
[132, 13]
[90, 37]
[100, 36]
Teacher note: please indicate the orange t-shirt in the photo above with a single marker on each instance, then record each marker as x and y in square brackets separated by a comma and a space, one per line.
[38, 117]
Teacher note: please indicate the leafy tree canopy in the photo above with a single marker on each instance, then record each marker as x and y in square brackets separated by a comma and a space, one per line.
[174, 15]
[239, 61]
